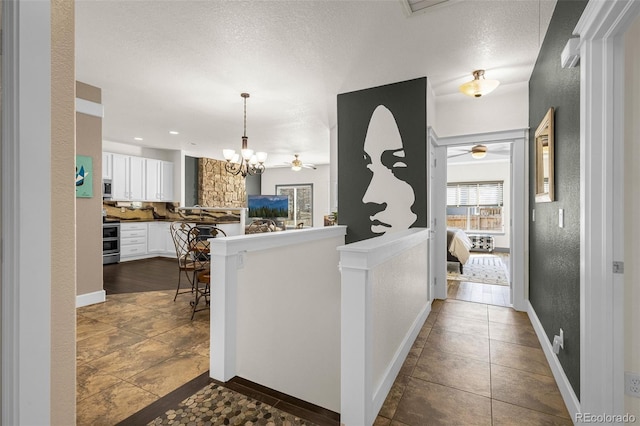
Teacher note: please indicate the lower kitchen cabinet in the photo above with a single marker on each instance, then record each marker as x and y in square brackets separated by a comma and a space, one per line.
[133, 241]
[141, 240]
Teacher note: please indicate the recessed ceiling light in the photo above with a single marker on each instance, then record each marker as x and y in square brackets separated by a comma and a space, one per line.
[137, 138]
[173, 132]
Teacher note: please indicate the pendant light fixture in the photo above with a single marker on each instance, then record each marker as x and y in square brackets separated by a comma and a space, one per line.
[246, 162]
[479, 86]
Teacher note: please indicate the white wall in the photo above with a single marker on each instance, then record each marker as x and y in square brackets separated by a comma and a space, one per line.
[319, 178]
[506, 108]
[632, 207]
[487, 171]
[288, 320]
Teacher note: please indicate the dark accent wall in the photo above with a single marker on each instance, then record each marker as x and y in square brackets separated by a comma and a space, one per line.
[407, 101]
[190, 181]
[554, 257]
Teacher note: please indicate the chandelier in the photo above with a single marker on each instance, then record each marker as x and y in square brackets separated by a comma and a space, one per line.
[247, 162]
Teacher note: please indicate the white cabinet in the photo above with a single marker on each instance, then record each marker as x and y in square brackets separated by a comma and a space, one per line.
[107, 165]
[133, 240]
[159, 180]
[157, 238]
[167, 180]
[128, 178]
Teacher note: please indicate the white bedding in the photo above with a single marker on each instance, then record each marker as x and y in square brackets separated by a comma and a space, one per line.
[460, 245]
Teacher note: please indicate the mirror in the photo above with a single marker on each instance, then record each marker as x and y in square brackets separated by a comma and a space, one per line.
[544, 159]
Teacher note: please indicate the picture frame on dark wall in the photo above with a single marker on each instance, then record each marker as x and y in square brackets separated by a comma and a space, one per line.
[84, 176]
[544, 159]
[382, 159]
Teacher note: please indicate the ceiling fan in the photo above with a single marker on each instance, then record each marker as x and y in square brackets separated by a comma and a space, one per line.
[477, 151]
[297, 164]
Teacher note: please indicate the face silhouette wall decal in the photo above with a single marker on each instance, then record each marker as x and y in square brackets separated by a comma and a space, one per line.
[382, 159]
[388, 188]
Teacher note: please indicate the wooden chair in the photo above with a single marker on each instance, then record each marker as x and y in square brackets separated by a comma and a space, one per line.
[199, 247]
[180, 235]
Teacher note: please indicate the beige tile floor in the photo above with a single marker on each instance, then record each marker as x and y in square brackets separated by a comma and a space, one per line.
[474, 364]
[134, 349]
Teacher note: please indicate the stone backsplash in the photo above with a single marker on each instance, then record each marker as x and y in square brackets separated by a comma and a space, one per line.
[217, 188]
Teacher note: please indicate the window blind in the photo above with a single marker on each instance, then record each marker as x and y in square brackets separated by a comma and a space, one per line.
[473, 194]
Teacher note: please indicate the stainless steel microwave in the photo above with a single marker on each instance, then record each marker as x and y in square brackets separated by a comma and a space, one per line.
[106, 189]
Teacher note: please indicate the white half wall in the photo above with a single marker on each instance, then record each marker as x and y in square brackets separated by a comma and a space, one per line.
[319, 178]
[487, 171]
[504, 109]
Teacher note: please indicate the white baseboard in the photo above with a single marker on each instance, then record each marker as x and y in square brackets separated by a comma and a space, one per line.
[568, 395]
[380, 394]
[90, 298]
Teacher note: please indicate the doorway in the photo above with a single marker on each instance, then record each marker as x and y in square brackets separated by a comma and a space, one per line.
[478, 208]
[516, 222]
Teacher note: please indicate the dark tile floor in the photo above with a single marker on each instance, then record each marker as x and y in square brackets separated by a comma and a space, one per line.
[472, 363]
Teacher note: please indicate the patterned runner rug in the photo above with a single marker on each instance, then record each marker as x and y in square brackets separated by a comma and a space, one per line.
[480, 268]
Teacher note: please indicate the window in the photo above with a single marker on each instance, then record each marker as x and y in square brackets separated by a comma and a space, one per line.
[300, 203]
[475, 206]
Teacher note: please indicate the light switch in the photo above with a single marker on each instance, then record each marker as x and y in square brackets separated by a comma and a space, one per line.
[561, 218]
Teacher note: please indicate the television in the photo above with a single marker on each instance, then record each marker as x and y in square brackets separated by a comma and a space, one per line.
[268, 206]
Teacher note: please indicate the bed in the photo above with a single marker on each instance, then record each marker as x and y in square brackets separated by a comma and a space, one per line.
[458, 246]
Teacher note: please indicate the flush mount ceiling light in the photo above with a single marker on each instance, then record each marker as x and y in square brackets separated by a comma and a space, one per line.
[479, 151]
[479, 86]
[250, 163]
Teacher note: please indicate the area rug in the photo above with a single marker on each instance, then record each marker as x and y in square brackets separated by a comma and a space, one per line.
[480, 268]
[217, 405]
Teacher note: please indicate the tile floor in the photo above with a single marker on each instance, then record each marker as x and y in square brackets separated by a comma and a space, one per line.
[134, 349]
[474, 364]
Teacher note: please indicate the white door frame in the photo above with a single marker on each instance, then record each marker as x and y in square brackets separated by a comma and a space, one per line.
[519, 221]
[601, 29]
[25, 213]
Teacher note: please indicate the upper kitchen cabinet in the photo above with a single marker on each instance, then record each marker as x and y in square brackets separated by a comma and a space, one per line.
[107, 165]
[159, 180]
[128, 180]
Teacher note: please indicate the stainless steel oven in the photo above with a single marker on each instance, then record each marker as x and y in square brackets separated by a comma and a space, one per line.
[110, 242]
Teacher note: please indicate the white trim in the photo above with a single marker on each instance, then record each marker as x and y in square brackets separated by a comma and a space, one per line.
[26, 159]
[519, 139]
[270, 240]
[601, 29]
[368, 254]
[381, 393]
[566, 390]
[90, 108]
[437, 217]
[91, 298]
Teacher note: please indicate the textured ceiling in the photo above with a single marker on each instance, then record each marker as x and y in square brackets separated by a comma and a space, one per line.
[181, 65]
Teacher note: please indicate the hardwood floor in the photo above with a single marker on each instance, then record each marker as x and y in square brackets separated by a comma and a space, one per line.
[136, 276]
[490, 294]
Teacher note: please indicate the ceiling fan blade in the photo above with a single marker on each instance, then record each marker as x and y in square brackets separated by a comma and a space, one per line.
[458, 155]
[309, 166]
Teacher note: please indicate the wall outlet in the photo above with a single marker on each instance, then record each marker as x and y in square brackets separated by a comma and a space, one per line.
[632, 384]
